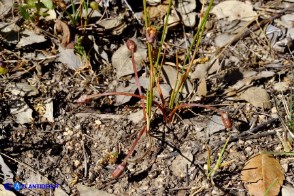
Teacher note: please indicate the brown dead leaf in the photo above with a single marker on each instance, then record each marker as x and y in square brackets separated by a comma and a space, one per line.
[263, 173]
[114, 25]
[61, 27]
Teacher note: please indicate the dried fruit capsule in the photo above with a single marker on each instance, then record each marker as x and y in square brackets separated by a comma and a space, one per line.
[131, 45]
[227, 121]
[119, 170]
[151, 33]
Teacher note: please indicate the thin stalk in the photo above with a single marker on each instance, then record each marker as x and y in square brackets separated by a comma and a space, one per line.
[226, 119]
[161, 96]
[193, 105]
[157, 81]
[197, 37]
[86, 98]
[74, 19]
[219, 160]
[38, 11]
[269, 188]
[164, 32]
[154, 68]
[135, 142]
[86, 9]
[163, 36]
[117, 172]
[208, 160]
[150, 88]
[132, 47]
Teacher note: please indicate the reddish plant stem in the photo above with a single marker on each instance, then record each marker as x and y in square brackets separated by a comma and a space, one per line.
[132, 47]
[136, 74]
[191, 105]
[121, 167]
[85, 98]
[227, 121]
[135, 142]
[162, 100]
[115, 93]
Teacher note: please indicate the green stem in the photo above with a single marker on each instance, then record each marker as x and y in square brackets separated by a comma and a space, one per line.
[197, 37]
[150, 88]
[164, 32]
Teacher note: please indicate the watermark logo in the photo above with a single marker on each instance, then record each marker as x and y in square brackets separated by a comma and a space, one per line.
[8, 186]
[19, 186]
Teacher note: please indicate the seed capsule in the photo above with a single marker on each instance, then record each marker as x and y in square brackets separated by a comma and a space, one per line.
[119, 170]
[227, 121]
[131, 45]
[151, 33]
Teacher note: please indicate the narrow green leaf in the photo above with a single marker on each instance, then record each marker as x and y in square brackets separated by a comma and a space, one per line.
[23, 12]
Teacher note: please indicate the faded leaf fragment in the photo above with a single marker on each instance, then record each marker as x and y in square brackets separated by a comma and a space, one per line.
[233, 10]
[200, 71]
[5, 6]
[287, 20]
[223, 39]
[29, 37]
[249, 77]
[10, 31]
[215, 125]
[173, 19]
[5, 192]
[122, 99]
[171, 77]
[69, 58]
[258, 97]
[153, 2]
[22, 113]
[136, 117]
[115, 25]
[6, 172]
[22, 89]
[165, 90]
[186, 8]
[202, 88]
[157, 11]
[180, 163]
[49, 110]
[281, 86]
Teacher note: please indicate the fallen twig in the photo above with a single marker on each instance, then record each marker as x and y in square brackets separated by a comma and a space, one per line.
[248, 132]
